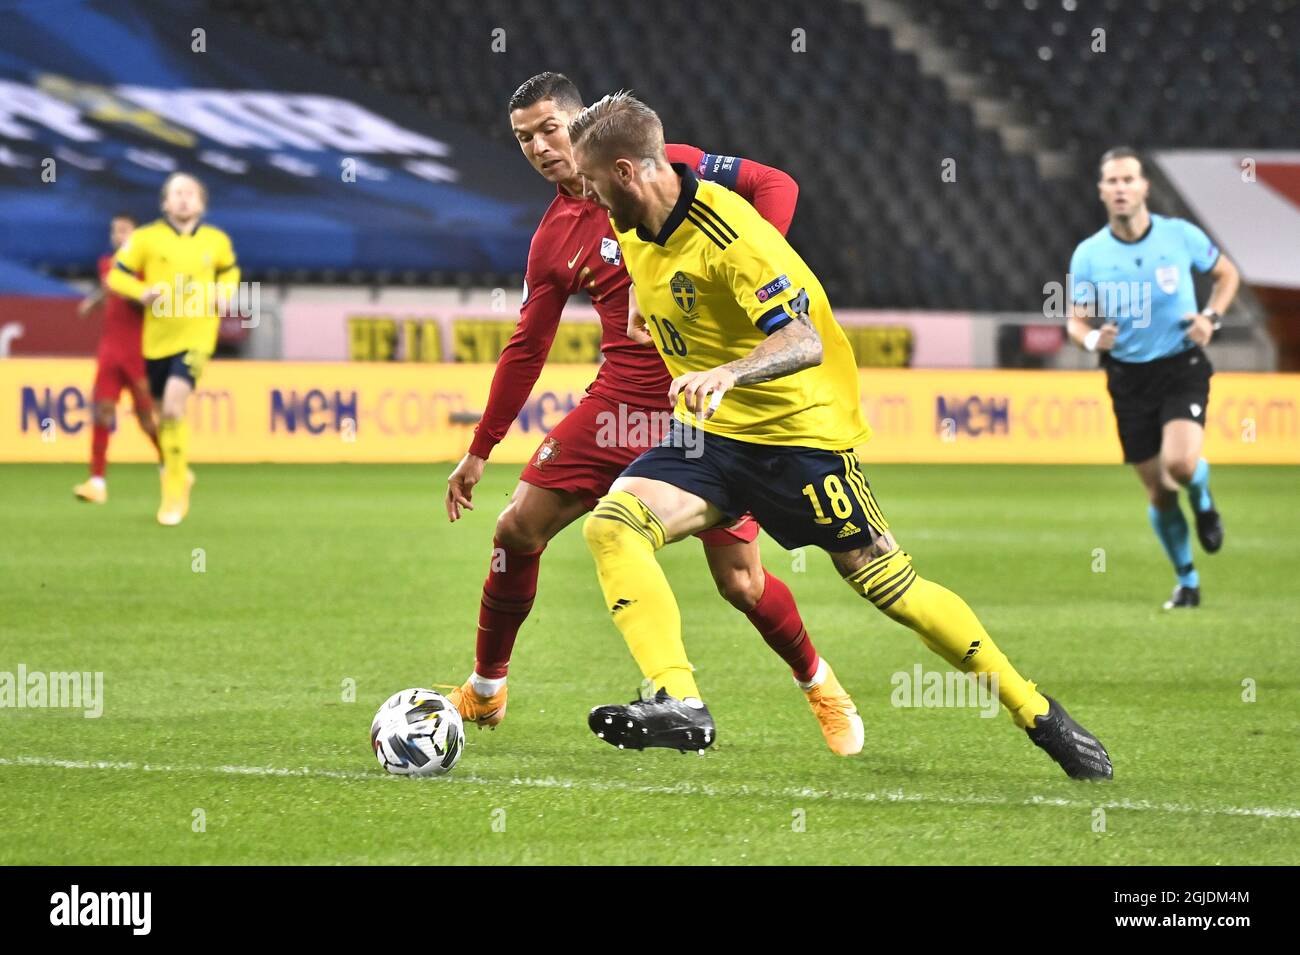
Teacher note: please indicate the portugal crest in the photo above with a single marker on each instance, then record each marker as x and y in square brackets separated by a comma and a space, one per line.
[548, 452]
[683, 290]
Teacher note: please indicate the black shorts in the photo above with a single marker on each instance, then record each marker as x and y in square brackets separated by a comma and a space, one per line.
[800, 495]
[183, 364]
[1148, 394]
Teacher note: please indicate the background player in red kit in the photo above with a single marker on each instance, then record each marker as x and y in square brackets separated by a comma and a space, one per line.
[574, 250]
[120, 364]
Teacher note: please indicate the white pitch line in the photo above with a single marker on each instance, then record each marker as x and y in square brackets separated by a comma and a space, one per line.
[677, 789]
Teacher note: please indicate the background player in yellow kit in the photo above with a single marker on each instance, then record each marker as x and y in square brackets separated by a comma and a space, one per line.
[189, 275]
[739, 314]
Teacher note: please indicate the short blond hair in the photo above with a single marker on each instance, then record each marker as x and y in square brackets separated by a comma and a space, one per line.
[619, 124]
[172, 177]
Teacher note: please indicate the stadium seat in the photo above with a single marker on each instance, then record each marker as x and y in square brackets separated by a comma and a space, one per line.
[853, 119]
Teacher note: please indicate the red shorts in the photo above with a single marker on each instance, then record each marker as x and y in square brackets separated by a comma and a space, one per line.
[117, 369]
[591, 446]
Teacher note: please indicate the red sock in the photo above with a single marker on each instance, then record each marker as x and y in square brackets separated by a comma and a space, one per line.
[777, 618]
[98, 451]
[152, 435]
[144, 413]
[508, 596]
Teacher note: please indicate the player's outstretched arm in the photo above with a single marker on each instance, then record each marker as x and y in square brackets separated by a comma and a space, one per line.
[517, 371]
[1226, 282]
[1227, 279]
[460, 485]
[226, 277]
[128, 261]
[636, 327]
[771, 191]
[1083, 294]
[91, 302]
[1079, 327]
[791, 348]
[521, 361]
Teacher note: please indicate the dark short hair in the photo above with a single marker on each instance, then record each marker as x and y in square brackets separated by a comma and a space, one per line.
[129, 217]
[1120, 152]
[621, 124]
[548, 85]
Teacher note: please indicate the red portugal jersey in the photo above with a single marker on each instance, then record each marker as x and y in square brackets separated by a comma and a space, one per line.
[574, 250]
[123, 318]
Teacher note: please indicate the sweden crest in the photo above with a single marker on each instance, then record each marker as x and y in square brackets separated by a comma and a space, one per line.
[683, 290]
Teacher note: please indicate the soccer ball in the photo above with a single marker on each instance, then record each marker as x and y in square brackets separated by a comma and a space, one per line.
[417, 733]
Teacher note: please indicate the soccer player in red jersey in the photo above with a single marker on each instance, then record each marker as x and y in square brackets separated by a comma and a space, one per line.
[574, 250]
[120, 364]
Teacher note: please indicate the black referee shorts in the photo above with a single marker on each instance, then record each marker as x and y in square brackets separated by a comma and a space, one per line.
[1147, 394]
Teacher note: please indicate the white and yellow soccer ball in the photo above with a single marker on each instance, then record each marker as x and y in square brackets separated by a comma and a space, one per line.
[417, 732]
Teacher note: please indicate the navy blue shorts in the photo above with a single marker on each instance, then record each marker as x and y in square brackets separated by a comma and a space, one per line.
[800, 495]
[183, 364]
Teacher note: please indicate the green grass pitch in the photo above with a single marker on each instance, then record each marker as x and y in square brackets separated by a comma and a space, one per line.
[225, 690]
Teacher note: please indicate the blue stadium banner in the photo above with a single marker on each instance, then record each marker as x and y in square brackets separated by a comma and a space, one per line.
[307, 167]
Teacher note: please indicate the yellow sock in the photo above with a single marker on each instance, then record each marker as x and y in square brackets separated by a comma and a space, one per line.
[947, 626]
[623, 535]
[174, 436]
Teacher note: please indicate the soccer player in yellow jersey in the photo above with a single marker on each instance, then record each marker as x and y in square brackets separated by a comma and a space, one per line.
[763, 369]
[189, 276]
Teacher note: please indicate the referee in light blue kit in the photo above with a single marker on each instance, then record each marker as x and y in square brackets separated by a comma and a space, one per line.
[1135, 275]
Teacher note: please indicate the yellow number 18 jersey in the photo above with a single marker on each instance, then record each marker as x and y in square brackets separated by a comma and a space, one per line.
[712, 285]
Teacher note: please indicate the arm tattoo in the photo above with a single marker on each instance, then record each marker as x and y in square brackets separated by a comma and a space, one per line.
[789, 349]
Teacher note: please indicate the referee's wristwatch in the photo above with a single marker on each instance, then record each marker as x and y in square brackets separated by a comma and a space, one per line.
[1216, 320]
